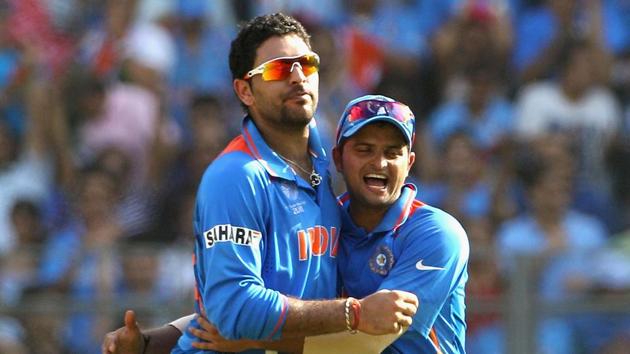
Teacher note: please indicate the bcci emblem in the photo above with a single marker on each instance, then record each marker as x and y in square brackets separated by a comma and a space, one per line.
[382, 260]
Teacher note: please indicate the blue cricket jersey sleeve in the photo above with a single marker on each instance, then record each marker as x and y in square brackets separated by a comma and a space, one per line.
[432, 260]
[229, 247]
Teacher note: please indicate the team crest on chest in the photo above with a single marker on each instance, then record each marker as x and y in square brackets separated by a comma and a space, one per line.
[382, 260]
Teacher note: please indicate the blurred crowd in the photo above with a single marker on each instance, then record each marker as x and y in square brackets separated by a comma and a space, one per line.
[111, 110]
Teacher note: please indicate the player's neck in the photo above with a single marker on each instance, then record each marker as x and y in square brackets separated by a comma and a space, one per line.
[366, 217]
[291, 144]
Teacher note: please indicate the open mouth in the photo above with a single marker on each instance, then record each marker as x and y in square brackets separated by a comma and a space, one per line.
[374, 180]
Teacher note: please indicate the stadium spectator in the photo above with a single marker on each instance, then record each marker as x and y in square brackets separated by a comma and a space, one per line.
[479, 33]
[484, 111]
[544, 30]
[574, 103]
[20, 266]
[562, 236]
[79, 260]
[27, 165]
[463, 189]
[200, 65]
[101, 47]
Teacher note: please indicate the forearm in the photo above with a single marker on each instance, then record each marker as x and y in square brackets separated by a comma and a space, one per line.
[210, 339]
[161, 340]
[385, 312]
[309, 318]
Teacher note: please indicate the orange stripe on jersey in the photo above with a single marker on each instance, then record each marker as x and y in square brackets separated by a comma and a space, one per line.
[240, 144]
[344, 198]
[197, 295]
[406, 211]
[255, 152]
[198, 298]
[434, 339]
[415, 206]
[199, 301]
[237, 144]
[283, 314]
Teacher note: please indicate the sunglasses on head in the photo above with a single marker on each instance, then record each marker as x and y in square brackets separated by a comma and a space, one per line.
[372, 108]
[281, 68]
[367, 109]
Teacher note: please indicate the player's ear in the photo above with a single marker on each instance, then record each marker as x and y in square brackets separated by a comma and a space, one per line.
[243, 90]
[336, 152]
[412, 159]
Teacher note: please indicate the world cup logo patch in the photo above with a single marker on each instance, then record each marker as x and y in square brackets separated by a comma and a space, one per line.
[289, 190]
[382, 260]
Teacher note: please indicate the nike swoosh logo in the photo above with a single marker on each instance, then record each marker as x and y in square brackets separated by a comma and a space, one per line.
[420, 266]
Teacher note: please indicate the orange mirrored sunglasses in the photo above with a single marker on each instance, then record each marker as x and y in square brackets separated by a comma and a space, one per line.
[281, 68]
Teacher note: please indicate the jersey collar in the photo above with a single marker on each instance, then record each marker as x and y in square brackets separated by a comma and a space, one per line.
[270, 160]
[395, 216]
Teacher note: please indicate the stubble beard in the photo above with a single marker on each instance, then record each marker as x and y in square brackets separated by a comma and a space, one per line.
[296, 118]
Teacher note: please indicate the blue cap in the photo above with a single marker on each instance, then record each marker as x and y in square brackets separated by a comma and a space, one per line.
[371, 108]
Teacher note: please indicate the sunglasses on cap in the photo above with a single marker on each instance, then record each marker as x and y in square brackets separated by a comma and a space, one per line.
[359, 113]
[372, 108]
[280, 68]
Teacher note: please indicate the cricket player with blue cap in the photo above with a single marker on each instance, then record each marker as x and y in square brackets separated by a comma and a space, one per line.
[390, 239]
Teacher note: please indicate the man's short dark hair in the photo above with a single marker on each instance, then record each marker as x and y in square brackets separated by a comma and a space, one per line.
[254, 33]
[530, 166]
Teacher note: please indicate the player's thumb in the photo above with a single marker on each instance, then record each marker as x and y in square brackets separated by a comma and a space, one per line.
[130, 320]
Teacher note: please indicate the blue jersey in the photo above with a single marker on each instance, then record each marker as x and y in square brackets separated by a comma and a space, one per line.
[416, 248]
[261, 234]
